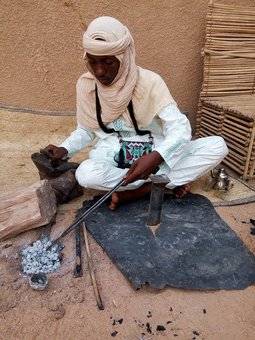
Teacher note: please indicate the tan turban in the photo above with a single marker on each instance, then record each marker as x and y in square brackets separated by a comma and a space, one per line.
[128, 84]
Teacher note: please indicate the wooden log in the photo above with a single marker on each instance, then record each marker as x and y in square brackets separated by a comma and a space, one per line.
[27, 208]
[238, 126]
[232, 166]
[219, 120]
[236, 160]
[211, 121]
[232, 138]
[237, 156]
[208, 109]
[231, 142]
[202, 134]
[245, 134]
[242, 151]
[207, 131]
[250, 153]
[209, 127]
[234, 133]
[239, 120]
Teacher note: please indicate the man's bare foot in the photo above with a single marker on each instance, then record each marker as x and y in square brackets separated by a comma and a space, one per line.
[129, 195]
[132, 195]
[182, 190]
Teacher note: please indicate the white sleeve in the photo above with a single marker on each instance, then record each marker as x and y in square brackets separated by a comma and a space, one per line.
[176, 132]
[78, 140]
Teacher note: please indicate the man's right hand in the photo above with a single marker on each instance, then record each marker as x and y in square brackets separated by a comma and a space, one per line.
[54, 152]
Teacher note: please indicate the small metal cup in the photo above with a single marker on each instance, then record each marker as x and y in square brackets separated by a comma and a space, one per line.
[38, 281]
[222, 181]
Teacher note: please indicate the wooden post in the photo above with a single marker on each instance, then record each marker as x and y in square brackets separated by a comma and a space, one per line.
[245, 175]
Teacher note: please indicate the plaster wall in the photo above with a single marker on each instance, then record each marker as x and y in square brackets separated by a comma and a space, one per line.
[41, 46]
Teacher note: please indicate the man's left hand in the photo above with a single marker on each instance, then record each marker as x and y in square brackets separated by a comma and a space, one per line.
[143, 167]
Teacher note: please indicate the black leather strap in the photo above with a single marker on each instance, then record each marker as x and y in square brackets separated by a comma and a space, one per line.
[131, 113]
[99, 113]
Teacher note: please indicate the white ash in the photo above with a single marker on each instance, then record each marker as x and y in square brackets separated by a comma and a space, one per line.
[38, 259]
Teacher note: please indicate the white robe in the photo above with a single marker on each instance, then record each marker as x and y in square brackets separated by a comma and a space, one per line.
[184, 160]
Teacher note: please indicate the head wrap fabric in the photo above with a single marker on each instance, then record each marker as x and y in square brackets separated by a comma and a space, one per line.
[116, 37]
[131, 81]
[118, 42]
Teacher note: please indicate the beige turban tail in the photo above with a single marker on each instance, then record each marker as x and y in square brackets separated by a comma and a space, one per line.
[131, 82]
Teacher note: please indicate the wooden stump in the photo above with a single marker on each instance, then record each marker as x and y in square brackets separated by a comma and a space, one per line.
[27, 208]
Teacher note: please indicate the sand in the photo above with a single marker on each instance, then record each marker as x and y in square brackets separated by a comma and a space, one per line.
[67, 308]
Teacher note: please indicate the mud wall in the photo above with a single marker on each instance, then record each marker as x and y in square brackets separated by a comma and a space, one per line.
[41, 50]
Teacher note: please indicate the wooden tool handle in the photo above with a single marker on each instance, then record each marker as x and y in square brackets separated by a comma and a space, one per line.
[91, 269]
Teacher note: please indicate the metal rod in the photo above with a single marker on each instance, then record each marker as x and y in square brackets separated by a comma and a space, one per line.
[87, 212]
[78, 272]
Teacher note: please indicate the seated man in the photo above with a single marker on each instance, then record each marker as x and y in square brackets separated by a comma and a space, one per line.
[139, 127]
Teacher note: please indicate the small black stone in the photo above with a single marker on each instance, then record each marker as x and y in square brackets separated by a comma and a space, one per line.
[252, 231]
[149, 315]
[160, 328]
[243, 222]
[194, 338]
[148, 327]
[114, 322]
[171, 309]
[175, 334]
[114, 333]
[195, 333]
[252, 221]
[204, 311]
[7, 245]
[169, 322]
[120, 321]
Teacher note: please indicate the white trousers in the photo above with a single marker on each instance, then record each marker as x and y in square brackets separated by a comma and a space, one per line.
[196, 159]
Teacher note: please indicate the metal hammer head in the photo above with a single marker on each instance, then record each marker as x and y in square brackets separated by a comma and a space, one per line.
[156, 199]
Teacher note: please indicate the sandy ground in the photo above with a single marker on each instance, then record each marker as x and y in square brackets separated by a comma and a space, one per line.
[67, 308]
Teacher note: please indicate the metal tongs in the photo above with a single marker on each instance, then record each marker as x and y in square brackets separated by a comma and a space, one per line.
[81, 218]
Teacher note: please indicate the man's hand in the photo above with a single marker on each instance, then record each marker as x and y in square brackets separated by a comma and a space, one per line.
[143, 167]
[54, 152]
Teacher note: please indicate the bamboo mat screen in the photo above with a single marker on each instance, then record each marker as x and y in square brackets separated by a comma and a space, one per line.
[229, 51]
[233, 118]
[227, 99]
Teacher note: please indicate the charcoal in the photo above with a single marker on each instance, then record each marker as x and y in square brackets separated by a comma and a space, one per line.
[39, 258]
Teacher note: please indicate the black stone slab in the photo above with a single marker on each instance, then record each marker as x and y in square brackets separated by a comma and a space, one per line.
[193, 248]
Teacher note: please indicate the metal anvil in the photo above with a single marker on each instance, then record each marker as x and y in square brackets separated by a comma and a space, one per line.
[158, 185]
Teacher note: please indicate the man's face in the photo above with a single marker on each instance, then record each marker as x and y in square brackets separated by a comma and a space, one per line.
[104, 68]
